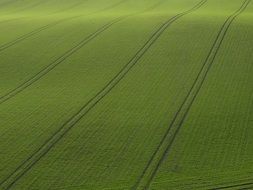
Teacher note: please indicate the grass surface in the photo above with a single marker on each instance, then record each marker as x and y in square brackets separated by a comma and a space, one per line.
[132, 94]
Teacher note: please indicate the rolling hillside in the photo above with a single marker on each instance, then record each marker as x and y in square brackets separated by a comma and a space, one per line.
[126, 94]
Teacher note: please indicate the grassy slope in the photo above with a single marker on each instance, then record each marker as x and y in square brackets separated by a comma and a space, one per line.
[214, 145]
[51, 41]
[30, 124]
[77, 70]
[103, 150]
[111, 145]
[23, 22]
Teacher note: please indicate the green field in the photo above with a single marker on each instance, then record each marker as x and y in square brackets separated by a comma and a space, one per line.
[126, 94]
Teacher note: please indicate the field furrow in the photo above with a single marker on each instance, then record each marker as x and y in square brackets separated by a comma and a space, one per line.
[40, 29]
[78, 94]
[56, 62]
[28, 163]
[174, 127]
[128, 142]
[67, 54]
[223, 146]
[126, 94]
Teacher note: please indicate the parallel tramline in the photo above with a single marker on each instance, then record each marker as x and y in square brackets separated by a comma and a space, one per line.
[126, 94]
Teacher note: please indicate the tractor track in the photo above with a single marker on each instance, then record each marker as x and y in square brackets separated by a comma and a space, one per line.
[40, 29]
[56, 62]
[22, 169]
[32, 33]
[236, 186]
[63, 57]
[52, 66]
[164, 146]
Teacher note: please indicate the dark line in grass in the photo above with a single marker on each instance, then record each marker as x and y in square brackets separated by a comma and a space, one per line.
[51, 67]
[59, 60]
[48, 68]
[233, 186]
[235, 183]
[56, 62]
[40, 29]
[69, 124]
[25, 36]
[166, 143]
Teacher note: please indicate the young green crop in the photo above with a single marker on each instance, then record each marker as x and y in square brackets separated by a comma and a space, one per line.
[126, 94]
